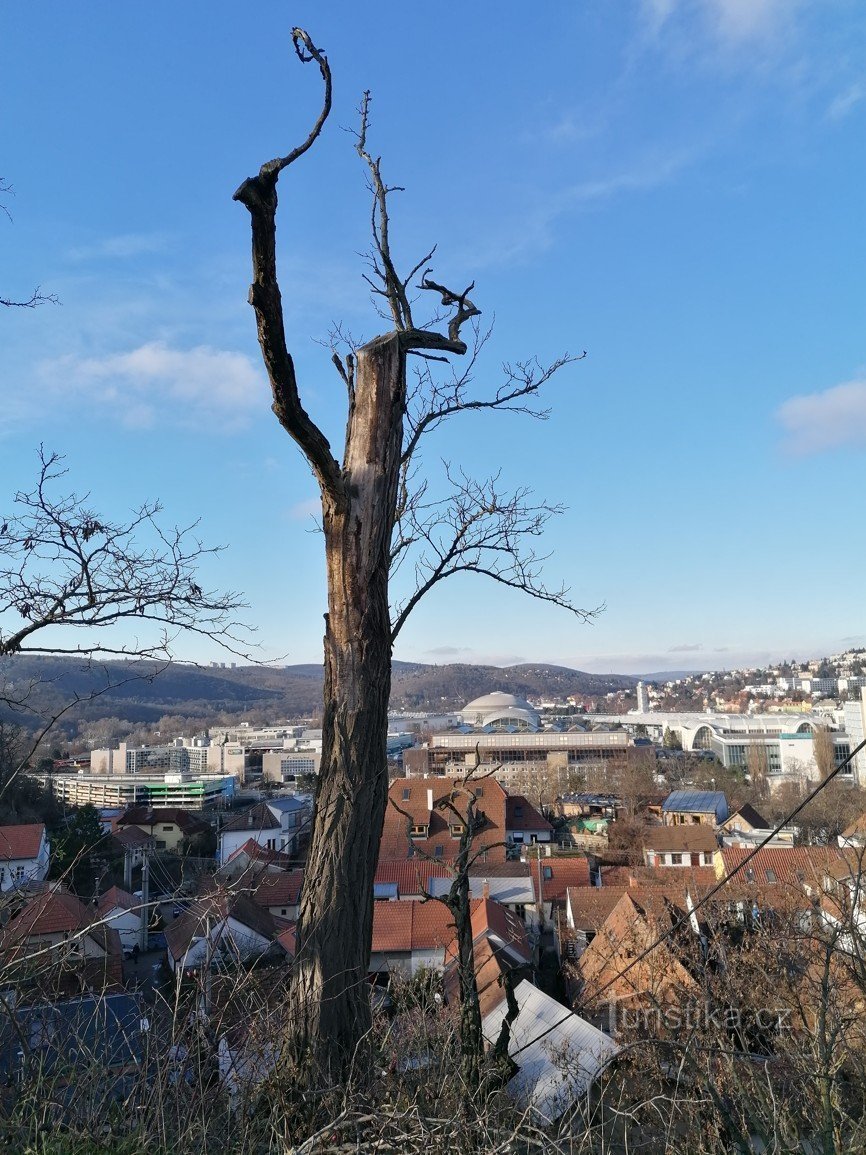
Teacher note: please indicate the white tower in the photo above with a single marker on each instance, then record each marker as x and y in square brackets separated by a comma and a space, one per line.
[643, 706]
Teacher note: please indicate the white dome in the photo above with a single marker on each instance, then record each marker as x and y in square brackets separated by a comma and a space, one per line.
[504, 711]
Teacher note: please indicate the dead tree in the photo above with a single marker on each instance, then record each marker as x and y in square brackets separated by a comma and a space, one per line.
[373, 516]
[37, 297]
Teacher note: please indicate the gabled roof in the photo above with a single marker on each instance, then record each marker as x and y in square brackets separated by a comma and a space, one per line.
[695, 801]
[665, 839]
[261, 854]
[209, 911]
[520, 814]
[148, 816]
[258, 817]
[80, 1033]
[750, 815]
[558, 874]
[116, 897]
[410, 874]
[131, 838]
[280, 888]
[439, 817]
[21, 842]
[402, 927]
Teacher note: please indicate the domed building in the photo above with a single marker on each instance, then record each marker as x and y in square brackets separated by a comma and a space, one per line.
[500, 711]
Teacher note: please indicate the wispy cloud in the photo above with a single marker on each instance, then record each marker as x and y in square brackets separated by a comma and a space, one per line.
[817, 422]
[686, 648]
[156, 383]
[121, 247]
[731, 20]
[846, 101]
[448, 651]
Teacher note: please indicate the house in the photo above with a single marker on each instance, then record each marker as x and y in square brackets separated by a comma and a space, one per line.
[556, 1053]
[124, 913]
[279, 893]
[746, 827]
[427, 816]
[221, 927]
[679, 846]
[253, 859]
[88, 1049]
[24, 854]
[132, 842]
[613, 969]
[553, 877]
[409, 935]
[523, 823]
[168, 826]
[693, 807]
[57, 945]
[276, 825]
[515, 893]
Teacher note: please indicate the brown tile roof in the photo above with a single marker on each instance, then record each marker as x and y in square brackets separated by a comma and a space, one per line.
[791, 865]
[410, 925]
[131, 838]
[279, 888]
[529, 818]
[410, 874]
[212, 908]
[749, 815]
[564, 872]
[664, 839]
[21, 841]
[591, 905]
[492, 918]
[698, 878]
[258, 817]
[116, 897]
[396, 842]
[149, 816]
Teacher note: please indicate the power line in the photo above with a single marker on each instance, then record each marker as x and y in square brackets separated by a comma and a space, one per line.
[711, 893]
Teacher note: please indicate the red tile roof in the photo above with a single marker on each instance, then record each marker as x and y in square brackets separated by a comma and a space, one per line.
[401, 927]
[664, 839]
[116, 897]
[491, 804]
[410, 874]
[258, 853]
[17, 842]
[258, 817]
[279, 888]
[149, 816]
[563, 873]
[792, 865]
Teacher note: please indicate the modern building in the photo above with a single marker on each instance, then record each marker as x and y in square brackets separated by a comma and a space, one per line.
[500, 711]
[519, 757]
[199, 756]
[189, 791]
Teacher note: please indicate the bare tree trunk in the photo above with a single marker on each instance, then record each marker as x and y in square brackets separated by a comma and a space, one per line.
[336, 916]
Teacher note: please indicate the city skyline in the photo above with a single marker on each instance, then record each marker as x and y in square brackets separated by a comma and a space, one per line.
[673, 188]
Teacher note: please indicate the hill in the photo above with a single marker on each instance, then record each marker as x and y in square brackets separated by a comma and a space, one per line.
[145, 692]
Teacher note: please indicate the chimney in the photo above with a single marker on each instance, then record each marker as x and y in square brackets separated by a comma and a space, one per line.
[430, 799]
[250, 820]
[485, 889]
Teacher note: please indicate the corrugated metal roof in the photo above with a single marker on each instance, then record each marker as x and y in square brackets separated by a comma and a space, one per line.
[701, 801]
[558, 1054]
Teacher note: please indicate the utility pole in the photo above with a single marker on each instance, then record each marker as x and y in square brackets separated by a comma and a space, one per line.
[127, 869]
[145, 897]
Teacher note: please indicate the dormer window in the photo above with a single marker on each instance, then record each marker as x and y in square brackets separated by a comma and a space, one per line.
[457, 829]
[419, 830]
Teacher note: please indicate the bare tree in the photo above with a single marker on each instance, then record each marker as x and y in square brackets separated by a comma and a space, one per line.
[825, 751]
[37, 297]
[76, 583]
[374, 512]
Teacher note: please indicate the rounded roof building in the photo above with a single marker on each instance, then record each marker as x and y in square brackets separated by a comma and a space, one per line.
[500, 711]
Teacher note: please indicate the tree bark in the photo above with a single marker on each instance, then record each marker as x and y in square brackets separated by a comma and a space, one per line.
[331, 995]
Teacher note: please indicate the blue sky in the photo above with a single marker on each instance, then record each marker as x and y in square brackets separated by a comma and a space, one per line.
[675, 186]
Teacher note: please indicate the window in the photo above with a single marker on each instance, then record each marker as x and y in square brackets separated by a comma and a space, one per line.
[457, 829]
[547, 873]
[479, 791]
[419, 830]
[770, 875]
[284, 911]
[437, 851]
[676, 860]
[518, 813]
[407, 793]
[750, 874]
[168, 829]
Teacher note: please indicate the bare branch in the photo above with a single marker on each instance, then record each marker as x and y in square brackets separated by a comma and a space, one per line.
[62, 566]
[478, 529]
[465, 308]
[259, 194]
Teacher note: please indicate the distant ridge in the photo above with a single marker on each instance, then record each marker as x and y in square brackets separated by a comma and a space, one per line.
[142, 693]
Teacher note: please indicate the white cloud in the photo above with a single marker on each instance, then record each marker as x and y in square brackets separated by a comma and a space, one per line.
[817, 422]
[846, 101]
[155, 383]
[121, 247]
[733, 20]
